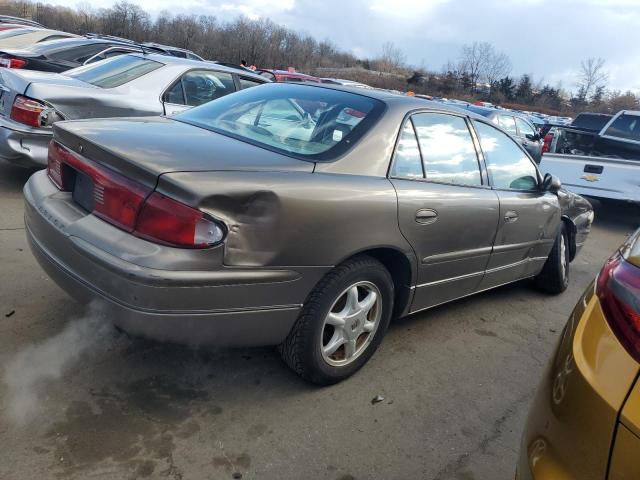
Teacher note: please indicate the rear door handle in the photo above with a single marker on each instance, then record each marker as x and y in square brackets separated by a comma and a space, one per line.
[426, 216]
[511, 216]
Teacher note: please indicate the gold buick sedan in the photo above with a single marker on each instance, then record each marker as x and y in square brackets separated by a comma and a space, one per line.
[585, 420]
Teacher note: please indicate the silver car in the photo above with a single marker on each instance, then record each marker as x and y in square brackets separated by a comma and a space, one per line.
[122, 86]
[295, 215]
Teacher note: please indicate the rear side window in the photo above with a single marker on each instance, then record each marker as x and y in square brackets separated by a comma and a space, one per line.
[115, 71]
[448, 152]
[625, 126]
[407, 162]
[302, 121]
[248, 83]
[203, 86]
[509, 167]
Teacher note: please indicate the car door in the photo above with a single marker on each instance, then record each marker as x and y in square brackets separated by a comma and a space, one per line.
[529, 216]
[196, 87]
[529, 139]
[446, 209]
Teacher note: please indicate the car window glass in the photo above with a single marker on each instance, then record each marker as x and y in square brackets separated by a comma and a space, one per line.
[448, 152]
[509, 167]
[306, 122]
[202, 86]
[53, 37]
[174, 95]
[524, 127]
[115, 71]
[248, 83]
[625, 126]
[508, 124]
[115, 53]
[78, 54]
[407, 162]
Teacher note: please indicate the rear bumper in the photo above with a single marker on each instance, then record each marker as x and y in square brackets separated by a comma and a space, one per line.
[23, 147]
[157, 291]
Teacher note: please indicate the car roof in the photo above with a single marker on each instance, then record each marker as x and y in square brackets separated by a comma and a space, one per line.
[170, 59]
[394, 99]
[62, 43]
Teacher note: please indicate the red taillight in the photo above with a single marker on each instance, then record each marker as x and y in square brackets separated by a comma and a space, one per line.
[546, 146]
[618, 289]
[168, 221]
[28, 111]
[116, 199]
[8, 62]
[132, 206]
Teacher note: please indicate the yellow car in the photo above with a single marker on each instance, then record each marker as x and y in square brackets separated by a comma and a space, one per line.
[584, 423]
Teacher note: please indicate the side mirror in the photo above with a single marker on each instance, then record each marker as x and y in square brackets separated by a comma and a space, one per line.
[533, 138]
[551, 183]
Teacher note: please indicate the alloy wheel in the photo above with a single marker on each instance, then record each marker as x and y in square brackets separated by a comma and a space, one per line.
[351, 323]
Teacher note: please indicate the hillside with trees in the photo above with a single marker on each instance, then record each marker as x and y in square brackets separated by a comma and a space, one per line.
[480, 72]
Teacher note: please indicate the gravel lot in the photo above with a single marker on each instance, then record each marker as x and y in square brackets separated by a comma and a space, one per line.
[78, 401]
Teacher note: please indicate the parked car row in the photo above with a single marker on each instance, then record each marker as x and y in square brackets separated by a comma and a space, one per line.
[135, 84]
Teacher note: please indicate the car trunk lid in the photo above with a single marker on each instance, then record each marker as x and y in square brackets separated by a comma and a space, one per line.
[142, 149]
[30, 83]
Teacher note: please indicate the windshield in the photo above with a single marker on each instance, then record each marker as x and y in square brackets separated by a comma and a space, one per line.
[304, 121]
[115, 71]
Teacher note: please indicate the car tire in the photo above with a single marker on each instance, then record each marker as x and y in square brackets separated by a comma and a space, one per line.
[307, 348]
[554, 277]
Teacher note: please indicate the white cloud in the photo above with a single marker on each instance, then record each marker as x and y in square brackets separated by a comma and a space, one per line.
[546, 38]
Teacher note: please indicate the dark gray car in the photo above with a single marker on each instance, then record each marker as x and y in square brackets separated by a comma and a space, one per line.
[295, 215]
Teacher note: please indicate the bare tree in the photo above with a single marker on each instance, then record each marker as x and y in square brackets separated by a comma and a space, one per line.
[480, 61]
[391, 59]
[592, 75]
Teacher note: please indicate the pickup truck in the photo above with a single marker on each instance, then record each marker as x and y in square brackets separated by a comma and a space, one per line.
[604, 164]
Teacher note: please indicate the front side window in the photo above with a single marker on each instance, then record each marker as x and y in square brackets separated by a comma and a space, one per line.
[304, 121]
[115, 71]
[509, 167]
[508, 123]
[625, 126]
[407, 162]
[448, 152]
[524, 127]
[203, 86]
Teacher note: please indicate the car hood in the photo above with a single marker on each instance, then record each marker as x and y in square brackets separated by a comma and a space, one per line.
[145, 148]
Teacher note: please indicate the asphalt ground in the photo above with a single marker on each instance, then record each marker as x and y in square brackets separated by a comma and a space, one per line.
[79, 400]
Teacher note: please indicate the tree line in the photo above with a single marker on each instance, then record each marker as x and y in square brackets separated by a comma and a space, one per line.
[479, 72]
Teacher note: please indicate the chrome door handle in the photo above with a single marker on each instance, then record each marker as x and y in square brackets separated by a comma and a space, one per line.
[426, 216]
[511, 216]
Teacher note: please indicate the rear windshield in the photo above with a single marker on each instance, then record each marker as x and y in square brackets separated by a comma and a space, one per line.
[625, 126]
[14, 32]
[303, 121]
[115, 71]
[591, 122]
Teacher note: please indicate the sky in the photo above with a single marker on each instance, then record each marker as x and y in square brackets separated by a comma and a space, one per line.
[545, 38]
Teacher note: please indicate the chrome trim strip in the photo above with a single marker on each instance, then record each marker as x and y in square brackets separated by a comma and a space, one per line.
[484, 272]
[458, 255]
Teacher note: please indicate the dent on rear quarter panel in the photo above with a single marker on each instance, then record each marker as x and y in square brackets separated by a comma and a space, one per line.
[293, 218]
